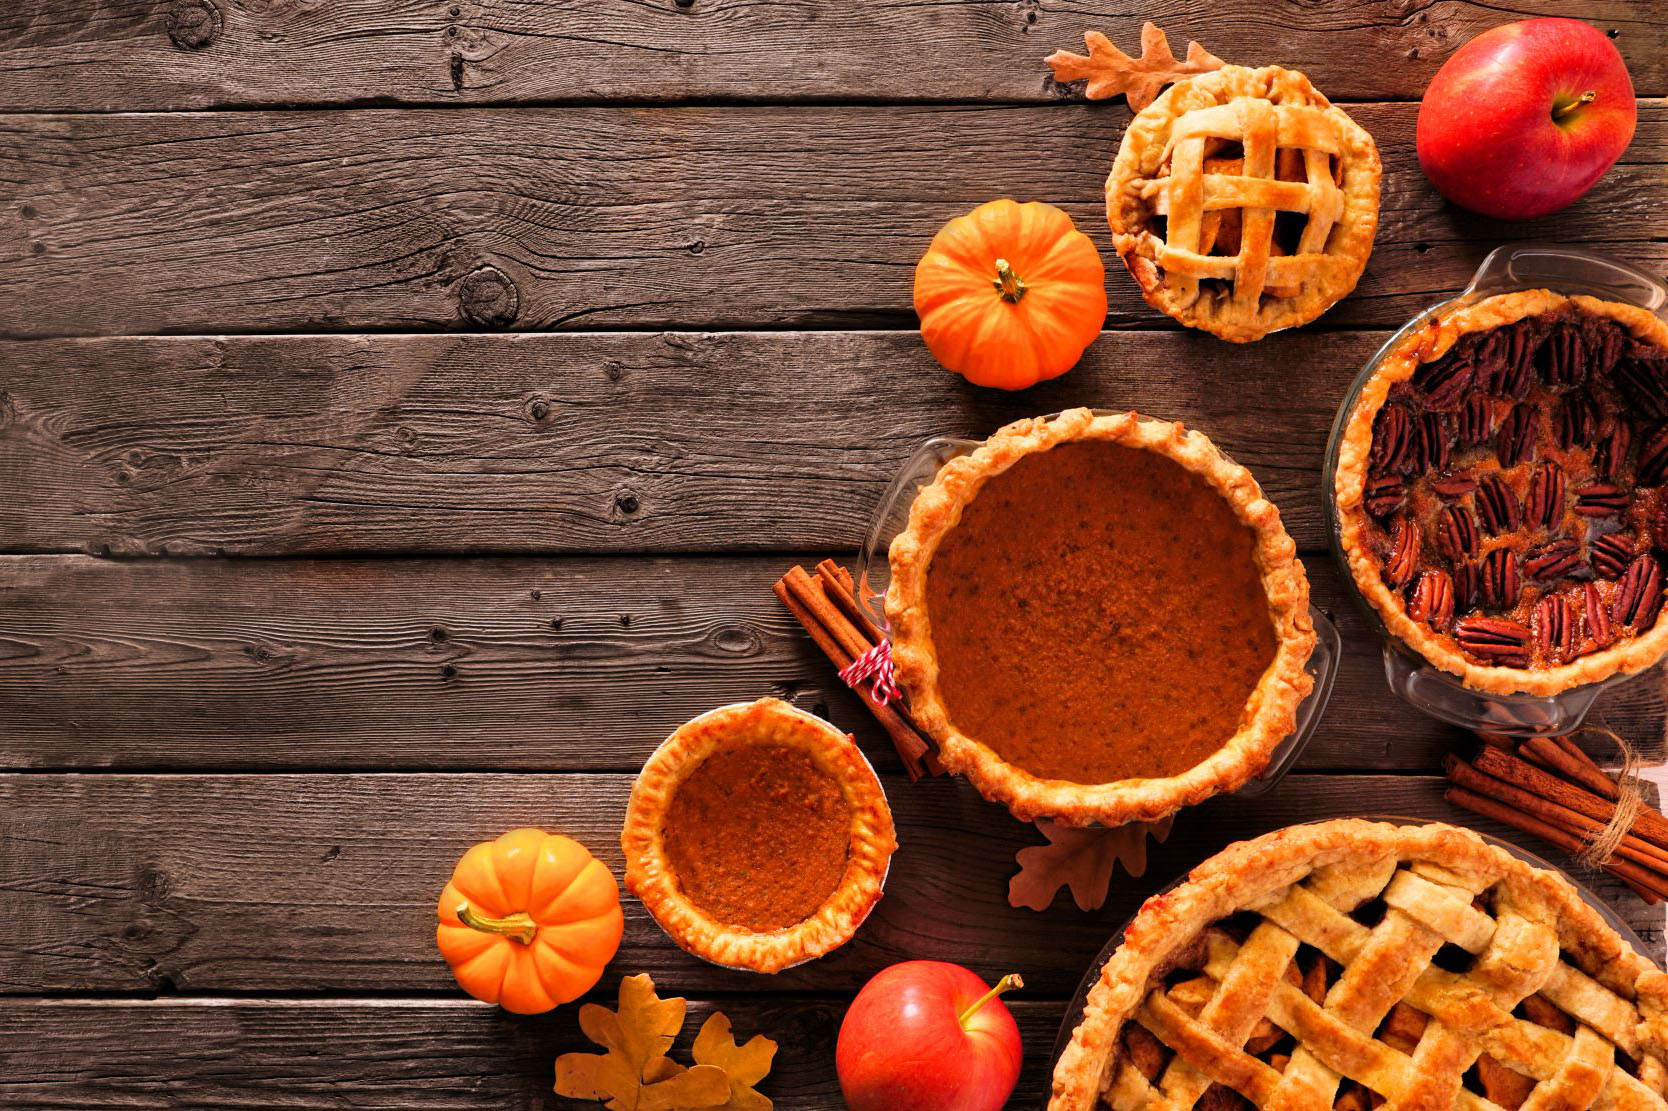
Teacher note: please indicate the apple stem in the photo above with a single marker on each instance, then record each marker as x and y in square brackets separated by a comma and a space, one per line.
[1563, 110]
[1011, 980]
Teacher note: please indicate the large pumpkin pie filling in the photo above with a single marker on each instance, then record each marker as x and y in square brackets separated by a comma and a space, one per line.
[758, 836]
[1099, 615]
[1099, 618]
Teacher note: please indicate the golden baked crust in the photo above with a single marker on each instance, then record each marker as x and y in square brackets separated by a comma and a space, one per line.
[1164, 168]
[1427, 343]
[650, 877]
[1273, 703]
[1534, 934]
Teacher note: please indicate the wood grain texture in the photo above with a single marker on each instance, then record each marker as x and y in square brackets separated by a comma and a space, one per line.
[651, 217]
[206, 883]
[559, 443]
[491, 665]
[177, 1054]
[133, 54]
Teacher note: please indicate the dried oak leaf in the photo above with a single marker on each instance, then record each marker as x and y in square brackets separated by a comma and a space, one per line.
[635, 1074]
[1082, 859]
[1110, 71]
[745, 1065]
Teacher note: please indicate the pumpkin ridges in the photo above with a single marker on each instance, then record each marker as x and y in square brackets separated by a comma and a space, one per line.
[476, 879]
[561, 862]
[515, 857]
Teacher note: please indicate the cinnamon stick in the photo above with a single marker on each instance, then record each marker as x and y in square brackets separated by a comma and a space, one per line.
[837, 584]
[1648, 885]
[1649, 825]
[1553, 755]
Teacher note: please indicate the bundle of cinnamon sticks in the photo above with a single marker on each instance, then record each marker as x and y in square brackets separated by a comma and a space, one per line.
[825, 604]
[1549, 787]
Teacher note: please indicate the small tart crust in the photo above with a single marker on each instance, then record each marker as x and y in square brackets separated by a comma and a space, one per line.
[1423, 345]
[1257, 873]
[1274, 701]
[1289, 112]
[650, 877]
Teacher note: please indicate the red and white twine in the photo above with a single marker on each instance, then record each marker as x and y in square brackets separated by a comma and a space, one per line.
[875, 668]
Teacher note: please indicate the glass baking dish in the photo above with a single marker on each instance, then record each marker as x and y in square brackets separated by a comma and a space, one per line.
[1415, 680]
[1074, 1010]
[892, 515]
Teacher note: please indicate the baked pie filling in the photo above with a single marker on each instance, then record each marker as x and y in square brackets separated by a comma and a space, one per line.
[759, 836]
[1099, 615]
[1514, 490]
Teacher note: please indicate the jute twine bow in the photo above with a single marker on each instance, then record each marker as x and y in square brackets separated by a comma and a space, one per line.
[875, 668]
[1628, 802]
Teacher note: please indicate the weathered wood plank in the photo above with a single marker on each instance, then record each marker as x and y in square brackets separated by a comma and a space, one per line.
[705, 217]
[559, 443]
[128, 54]
[327, 883]
[488, 665]
[177, 1054]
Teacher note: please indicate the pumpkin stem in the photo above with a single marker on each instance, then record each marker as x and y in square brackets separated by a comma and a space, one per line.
[1011, 980]
[1007, 283]
[519, 925]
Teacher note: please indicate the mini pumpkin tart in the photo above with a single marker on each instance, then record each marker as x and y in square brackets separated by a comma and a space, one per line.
[1099, 618]
[1499, 490]
[758, 836]
[1350, 964]
[1242, 201]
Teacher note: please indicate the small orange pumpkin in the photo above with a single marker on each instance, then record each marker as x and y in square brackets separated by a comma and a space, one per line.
[528, 921]
[1010, 294]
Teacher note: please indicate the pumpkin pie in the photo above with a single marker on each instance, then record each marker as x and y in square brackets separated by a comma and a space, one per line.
[1243, 201]
[1099, 618]
[1351, 964]
[1500, 490]
[758, 836]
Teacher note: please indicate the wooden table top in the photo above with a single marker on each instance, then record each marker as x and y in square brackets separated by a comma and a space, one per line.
[405, 408]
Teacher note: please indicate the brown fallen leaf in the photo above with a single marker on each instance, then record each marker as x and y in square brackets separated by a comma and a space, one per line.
[635, 1074]
[1110, 71]
[1082, 859]
[745, 1065]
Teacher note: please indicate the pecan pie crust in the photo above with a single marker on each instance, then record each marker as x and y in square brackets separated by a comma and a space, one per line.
[796, 804]
[1436, 953]
[1268, 714]
[1242, 201]
[1568, 603]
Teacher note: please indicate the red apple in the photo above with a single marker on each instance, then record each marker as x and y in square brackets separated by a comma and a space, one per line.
[928, 1036]
[1525, 118]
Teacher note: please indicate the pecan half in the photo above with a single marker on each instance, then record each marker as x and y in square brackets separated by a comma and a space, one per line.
[1600, 499]
[1456, 533]
[1498, 506]
[1554, 627]
[1597, 617]
[1475, 421]
[1494, 640]
[1515, 441]
[1638, 593]
[1499, 586]
[1431, 442]
[1653, 457]
[1403, 559]
[1553, 560]
[1604, 346]
[1392, 441]
[1578, 421]
[1543, 505]
[1563, 357]
[1659, 525]
[1610, 554]
[1453, 488]
[1611, 452]
[1641, 374]
[1432, 600]
[1467, 578]
[1384, 495]
[1444, 381]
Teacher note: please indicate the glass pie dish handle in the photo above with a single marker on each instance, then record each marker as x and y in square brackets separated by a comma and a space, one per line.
[1517, 715]
[1567, 270]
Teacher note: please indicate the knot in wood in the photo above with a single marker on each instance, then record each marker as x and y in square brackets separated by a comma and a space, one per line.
[488, 297]
[194, 24]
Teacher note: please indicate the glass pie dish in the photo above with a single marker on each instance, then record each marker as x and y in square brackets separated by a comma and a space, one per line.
[892, 517]
[1411, 675]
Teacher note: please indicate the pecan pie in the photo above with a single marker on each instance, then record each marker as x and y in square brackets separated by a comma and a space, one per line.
[1500, 490]
[1243, 201]
[758, 836]
[1099, 618]
[1353, 964]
